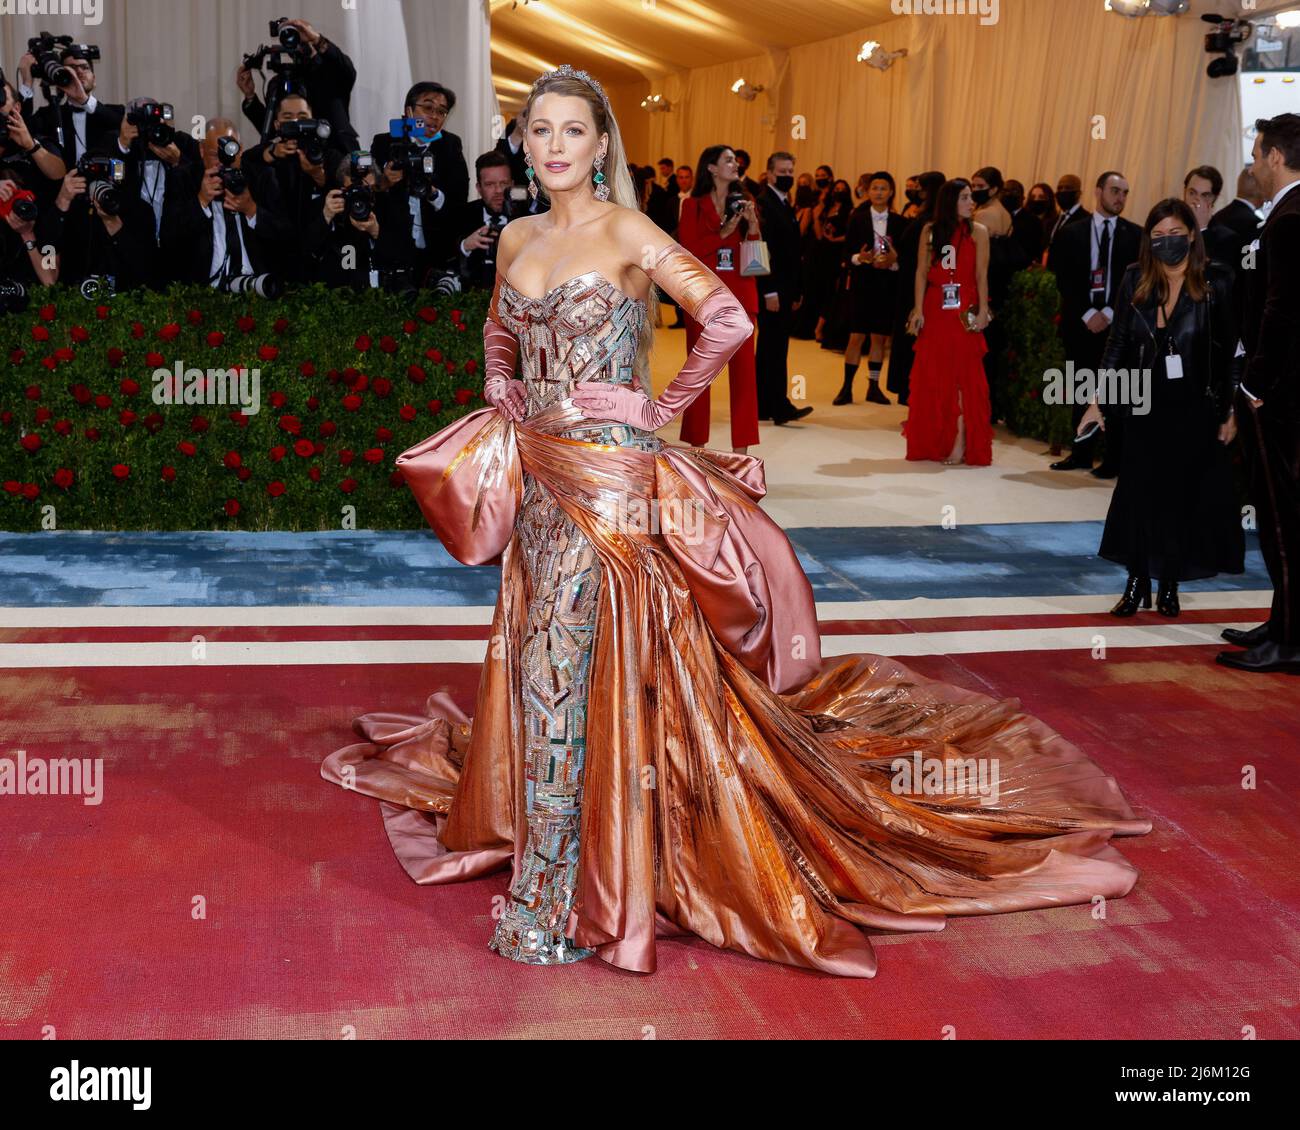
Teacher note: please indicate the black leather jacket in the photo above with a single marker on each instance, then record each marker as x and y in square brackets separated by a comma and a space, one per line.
[1204, 334]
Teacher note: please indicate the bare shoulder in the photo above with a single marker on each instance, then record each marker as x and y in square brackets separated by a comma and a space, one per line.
[513, 236]
[979, 231]
[636, 235]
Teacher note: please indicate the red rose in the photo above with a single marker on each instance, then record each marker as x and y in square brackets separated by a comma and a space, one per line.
[116, 357]
[40, 333]
[428, 313]
[121, 471]
[216, 338]
[233, 460]
[388, 344]
[471, 366]
[281, 324]
[6, 417]
[455, 315]
[461, 327]
[314, 474]
[239, 419]
[65, 354]
[374, 455]
[137, 330]
[63, 478]
[290, 424]
[346, 457]
[464, 395]
[313, 402]
[278, 400]
[48, 313]
[187, 448]
[232, 507]
[103, 400]
[101, 312]
[200, 424]
[50, 363]
[127, 418]
[347, 486]
[268, 352]
[434, 355]
[409, 327]
[383, 435]
[416, 374]
[435, 406]
[275, 489]
[277, 453]
[382, 386]
[244, 474]
[154, 360]
[16, 357]
[31, 442]
[408, 412]
[362, 344]
[12, 487]
[81, 394]
[450, 366]
[328, 428]
[32, 392]
[79, 334]
[360, 383]
[153, 422]
[129, 387]
[194, 317]
[304, 448]
[307, 369]
[318, 448]
[350, 374]
[63, 427]
[247, 324]
[43, 414]
[169, 474]
[31, 491]
[352, 402]
[170, 332]
[92, 434]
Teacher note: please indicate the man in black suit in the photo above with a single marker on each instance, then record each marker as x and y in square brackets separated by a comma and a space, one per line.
[780, 293]
[1233, 229]
[751, 186]
[1069, 199]
[430, 200]
[152, 169]
[79, 123]
[1089, 261]
[477, 224]
[1267, 407]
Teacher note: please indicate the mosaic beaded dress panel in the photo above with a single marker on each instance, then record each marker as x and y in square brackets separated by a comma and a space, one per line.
[583, 330]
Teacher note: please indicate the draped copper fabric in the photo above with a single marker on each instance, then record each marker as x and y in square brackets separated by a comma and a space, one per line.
[782, 825]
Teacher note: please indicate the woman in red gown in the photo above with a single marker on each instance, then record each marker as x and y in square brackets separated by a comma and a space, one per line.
[949, 401]
[716, 243]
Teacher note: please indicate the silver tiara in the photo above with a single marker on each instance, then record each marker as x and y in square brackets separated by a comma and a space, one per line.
[566, 71]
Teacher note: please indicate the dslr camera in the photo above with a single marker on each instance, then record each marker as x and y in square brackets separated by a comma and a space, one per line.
[22, 204]
[359, 197]
[233, 180]
[48, 50]
[286, 56]
[310, 134]
[154, 121]
[104, 176]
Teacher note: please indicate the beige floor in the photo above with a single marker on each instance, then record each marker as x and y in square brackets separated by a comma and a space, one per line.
[846, 466]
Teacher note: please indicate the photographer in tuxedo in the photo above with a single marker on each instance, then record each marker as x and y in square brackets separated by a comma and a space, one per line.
[38, 159]
[80, 123]
[1089, 260]
[1268, 399]
[152, 167]
[325, 78]
[477, 225]
[780, 293]
[344, 237]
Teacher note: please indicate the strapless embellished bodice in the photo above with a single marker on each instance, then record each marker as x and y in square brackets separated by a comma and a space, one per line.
[585, 329]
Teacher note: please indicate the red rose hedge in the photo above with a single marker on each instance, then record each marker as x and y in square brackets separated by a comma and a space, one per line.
[347, 383]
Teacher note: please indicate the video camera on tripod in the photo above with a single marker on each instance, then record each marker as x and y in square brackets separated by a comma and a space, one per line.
[287, 56]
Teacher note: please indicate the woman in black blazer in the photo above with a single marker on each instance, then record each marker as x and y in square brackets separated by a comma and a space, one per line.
[1174, 513]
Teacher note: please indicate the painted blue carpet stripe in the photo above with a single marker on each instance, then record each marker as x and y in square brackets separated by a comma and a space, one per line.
[74, 568]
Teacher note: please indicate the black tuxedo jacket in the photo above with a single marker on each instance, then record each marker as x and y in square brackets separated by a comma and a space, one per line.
[450, 173]
[1231, 231]
[475, 268]
[781, 232]
[1075, 218]
[1270, 328]
[861, 231]
[102, 128]
[1070, 260]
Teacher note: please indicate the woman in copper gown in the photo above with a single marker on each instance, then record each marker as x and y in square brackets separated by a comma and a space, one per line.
[657, 747]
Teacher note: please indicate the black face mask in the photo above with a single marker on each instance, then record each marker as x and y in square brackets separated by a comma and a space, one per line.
[821, 182]
[980, 195]
[784, 183]
[1066, 198]
[913, 195]
[1038, 207]
[1013, 203]
[1171, 249]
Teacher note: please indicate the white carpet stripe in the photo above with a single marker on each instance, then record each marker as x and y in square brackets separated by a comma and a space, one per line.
[343, 652]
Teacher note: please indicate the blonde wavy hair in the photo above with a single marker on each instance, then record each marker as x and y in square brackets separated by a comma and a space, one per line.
[622, 190]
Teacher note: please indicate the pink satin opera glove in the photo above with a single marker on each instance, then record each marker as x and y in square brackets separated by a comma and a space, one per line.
[500, 350]
[724, 328]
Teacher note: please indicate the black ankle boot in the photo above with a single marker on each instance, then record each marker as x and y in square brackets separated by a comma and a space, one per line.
[1136, 592]
[1167, 600]
[846, 393]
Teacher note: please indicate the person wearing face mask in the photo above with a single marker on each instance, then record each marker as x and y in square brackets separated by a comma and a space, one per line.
[1041, 204]
[1174, 513]
[1089, 260]
[912, 194]
[1006, 257]
[871, 256]
[1025, 227]
[1069, 197]
[822, 256]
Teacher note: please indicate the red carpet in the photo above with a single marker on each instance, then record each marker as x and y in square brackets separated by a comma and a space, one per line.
[212, 793]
